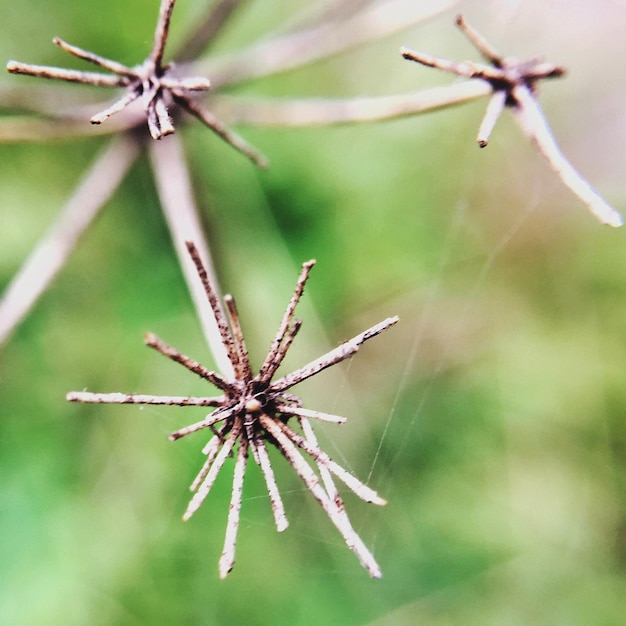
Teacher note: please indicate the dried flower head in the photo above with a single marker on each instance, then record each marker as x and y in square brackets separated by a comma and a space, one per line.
[317, 32]
[513, 85]
[151, 81]
[256, 409]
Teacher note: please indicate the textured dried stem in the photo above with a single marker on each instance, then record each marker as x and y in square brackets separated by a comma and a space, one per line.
[116, 107]
[193, 366]
[337, 355]
[466, 69]
[96, 59]
[51, 252]
[175, 191]
[276, 502]
[165, 125]
[134, 398]
[230, 137]
[207, 483]
[195, 83]
[271, 363]
[290, 335]
[210, 450]
[218, 415]
[327, 478]
[227, 560]
[480, 43]
[243, 371]
[161, 32]
[288, 409]
[70, 76]
[336, 515]
[363, 491]
[211, 293]
[368, 560]
[532, 121]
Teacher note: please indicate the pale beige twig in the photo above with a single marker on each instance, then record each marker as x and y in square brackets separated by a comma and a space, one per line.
[136, 398]
[274, 112]
[51, 252]
[173, 183]
[227, 560]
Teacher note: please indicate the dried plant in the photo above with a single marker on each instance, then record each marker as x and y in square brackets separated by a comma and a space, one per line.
[325, 29]
[254, 410]
[513, 84]
[152, 81]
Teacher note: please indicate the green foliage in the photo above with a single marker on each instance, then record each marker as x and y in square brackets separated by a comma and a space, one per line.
[492, 418]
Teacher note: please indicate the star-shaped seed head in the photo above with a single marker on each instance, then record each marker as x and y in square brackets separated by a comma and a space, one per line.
[256, 409]
[505, 75]
[154, 82]
[514, 85]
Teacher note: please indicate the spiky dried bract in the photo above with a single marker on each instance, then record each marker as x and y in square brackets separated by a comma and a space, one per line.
[513, 84]
[152, 81]
[254, 411]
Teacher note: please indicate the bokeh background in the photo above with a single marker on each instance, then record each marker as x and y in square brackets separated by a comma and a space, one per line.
[493, 417]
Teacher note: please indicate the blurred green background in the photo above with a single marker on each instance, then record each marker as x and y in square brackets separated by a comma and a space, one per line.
[492, 417]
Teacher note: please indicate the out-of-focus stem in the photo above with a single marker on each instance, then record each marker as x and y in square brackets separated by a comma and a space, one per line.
[50, 254]
[176, 195]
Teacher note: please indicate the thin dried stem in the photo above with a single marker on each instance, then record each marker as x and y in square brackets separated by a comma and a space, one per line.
[218, 415]
[207, 483]
[271, 363]
[211, 294]
[326, 112]
[243, 371]
[176, 194]
[227, 560]
[288, 409]
[370, 563]
[159, 121]
[52, 251]
[465, 69]
[337, 517]
[340, 353]
[96, 59]
[210, 450]
[531, 118]
[230, 137]
[116, 107]
[219, 381]
[135, 398]
[70, 76]
[161, 32]
[480, 43]
[276, 502]
[327, 478]
[363, 491]
[290, 335]
[495, 107]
